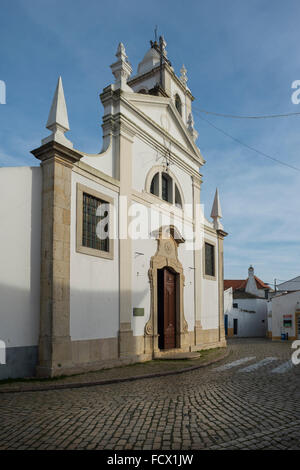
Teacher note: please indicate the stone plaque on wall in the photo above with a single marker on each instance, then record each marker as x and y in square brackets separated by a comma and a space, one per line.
[138, 312]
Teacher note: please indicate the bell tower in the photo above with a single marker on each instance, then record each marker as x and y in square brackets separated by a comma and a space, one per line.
[156, 76]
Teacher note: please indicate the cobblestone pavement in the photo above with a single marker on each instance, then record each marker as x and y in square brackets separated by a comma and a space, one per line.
[232, 407]
[115, 374]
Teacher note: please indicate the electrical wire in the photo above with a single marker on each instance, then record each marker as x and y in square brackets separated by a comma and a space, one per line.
[237, 116]
[249, 147]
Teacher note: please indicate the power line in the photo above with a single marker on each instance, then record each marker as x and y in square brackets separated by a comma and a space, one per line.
[249, 147]
[239, 116]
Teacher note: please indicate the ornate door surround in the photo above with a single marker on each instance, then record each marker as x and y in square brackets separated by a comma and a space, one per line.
[168, 239]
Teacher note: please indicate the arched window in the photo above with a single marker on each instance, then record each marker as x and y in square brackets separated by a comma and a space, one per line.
[163, 185]
[178, 104]
[178, 201]
[166, 187]
[154, 188]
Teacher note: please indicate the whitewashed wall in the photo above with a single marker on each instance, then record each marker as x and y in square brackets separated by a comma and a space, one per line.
[20, 236]
[94, 281]
[142, 250]
[284, 304]
[210, 293]
[249, 324]
[103, 162]
[269, 313]
[228, 301]
[186, 257]
[20, 246]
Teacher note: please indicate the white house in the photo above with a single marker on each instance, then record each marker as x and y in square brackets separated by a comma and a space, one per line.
[107, 259]
[284, 311]
[245, 306]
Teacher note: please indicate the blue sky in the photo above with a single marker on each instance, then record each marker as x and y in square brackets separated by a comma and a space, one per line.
[241, 57]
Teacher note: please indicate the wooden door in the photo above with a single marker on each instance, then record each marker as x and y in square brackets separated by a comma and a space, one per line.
[166, 309]
[169, 310]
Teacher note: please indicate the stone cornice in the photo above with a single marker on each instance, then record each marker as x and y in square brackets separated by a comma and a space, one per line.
[149, 199]
[90, 172]
[210, 230]
[222, 234]
[123, 126]
[197, 181]
[55, 150]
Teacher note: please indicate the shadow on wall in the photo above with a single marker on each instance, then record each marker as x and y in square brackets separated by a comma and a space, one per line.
[20, 289]
[19, 325]
[20, 274]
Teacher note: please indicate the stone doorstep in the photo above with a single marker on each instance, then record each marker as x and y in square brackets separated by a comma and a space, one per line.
[172, 355]
[62, 386]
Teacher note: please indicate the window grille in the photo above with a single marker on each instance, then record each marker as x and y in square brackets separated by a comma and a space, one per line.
[165, 188]
[90, 221]
[209, 259]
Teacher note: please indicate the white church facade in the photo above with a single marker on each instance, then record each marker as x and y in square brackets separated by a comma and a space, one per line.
[107, 259]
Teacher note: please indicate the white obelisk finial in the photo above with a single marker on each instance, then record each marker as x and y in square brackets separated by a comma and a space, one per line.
[58, 121]
[216, 212]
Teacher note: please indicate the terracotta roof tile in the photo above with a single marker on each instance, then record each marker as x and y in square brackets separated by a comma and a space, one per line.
[235, 284]
[260, 284]
[240, 284]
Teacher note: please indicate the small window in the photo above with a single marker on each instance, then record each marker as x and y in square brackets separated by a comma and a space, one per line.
[163, 186]
[154, 188]
[143, 91]
[178, 104]
[166, 187]
[209, 260]
[94, 235]
[91, 220]
[235, 305]
[178, 202]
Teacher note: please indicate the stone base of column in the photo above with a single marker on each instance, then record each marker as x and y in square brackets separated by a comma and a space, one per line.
[54, 356]
[198, 332]
[151, 344]
[184, 341]
[126, 341]
[222, 334]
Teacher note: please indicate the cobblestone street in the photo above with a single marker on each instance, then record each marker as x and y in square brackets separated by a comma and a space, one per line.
[238, 403]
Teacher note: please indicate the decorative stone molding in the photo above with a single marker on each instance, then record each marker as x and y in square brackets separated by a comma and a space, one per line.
[221, 235]
[183, 76]
[166, 256]
[190, 127]
[121, 69]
